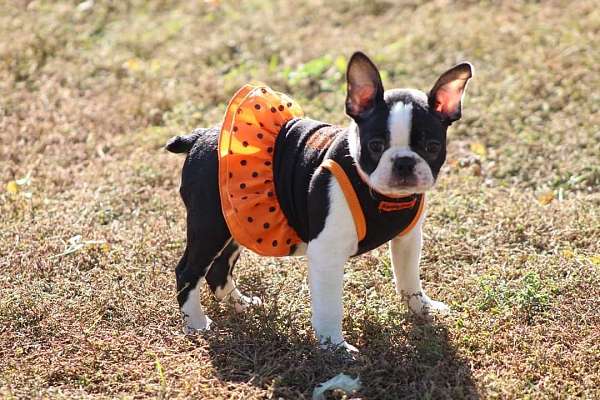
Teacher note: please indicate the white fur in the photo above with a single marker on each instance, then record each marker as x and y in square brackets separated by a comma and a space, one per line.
[383, 177]
[405, 253]
[353, 141]
[193, 316]
[300, 250]
[327, 254]
[239, 301]
[399, 124]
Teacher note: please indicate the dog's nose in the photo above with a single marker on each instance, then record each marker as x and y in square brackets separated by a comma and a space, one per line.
[403, 166]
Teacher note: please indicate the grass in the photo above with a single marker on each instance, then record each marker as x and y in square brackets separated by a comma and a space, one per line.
[91, 224]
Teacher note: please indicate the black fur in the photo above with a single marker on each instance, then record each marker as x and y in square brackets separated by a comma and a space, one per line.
[207, 232]
[183, 144]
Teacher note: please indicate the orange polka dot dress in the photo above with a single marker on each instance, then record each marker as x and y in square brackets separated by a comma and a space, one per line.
[253, 119]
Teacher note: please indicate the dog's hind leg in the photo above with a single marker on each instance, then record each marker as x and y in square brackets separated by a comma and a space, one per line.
[190, 274]
[220, 279]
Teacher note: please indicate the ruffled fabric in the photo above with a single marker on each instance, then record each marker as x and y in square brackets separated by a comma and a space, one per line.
[253, 119]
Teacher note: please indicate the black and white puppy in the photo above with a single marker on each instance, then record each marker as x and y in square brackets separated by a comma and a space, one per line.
[391, 152]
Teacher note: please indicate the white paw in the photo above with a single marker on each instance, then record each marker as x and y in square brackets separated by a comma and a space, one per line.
[348, 347]
[437, 307]
[194, 325]
[327, 345]
[244, 302]
[420, 304]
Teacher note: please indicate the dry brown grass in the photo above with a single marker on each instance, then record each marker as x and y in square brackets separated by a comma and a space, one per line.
[87, 98]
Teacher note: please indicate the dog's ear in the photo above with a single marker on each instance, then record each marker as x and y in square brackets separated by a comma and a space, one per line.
[365, 89]
[445, 97]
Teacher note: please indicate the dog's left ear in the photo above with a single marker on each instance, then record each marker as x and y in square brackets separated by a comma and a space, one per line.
[365, 89]
[445, 97]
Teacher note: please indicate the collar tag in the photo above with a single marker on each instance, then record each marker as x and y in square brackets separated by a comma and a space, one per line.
[389, 206]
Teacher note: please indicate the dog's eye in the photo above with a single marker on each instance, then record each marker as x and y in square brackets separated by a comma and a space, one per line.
[432, 147]
[377, 146]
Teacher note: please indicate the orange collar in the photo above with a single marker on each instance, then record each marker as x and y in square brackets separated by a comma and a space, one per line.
[386, 204]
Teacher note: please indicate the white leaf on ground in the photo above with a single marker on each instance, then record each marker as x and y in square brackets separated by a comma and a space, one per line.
[340, 381]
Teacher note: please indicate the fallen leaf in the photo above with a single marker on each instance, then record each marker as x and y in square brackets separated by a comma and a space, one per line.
[568, 254]
[12, 187]
[479, 149]
[545, 197]
[133, 64]
[26, 180]
[341, 381]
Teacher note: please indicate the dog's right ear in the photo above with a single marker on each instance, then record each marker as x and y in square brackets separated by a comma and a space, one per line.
[365, 89]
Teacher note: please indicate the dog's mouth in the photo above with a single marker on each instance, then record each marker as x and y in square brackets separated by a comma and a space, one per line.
[402, 186]
[403, 189]
[405, 181]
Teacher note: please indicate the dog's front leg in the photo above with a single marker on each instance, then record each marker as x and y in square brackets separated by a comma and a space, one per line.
[327, 255]
[405, 252]
[326, 279]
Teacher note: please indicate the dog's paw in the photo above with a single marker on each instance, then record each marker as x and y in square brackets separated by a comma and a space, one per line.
[195, 325]
[244, 302]
[348, 347]
[344, 350]
[420, 304]
[345, 346]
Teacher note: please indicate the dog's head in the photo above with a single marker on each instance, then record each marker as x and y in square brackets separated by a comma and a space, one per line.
[398, 138]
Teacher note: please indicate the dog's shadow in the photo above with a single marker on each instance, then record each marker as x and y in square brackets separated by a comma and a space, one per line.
[403, 358]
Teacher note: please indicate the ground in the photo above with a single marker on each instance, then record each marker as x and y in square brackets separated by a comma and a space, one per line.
[92, 226]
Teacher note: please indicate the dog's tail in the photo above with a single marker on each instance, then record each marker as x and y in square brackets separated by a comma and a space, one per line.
[183, 144]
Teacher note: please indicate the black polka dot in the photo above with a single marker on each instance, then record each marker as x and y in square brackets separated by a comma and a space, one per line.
[259, 135]
[245, 144]
[266, 225]
[274, 243]
[267, 181]
[239, 111]
[280, 107]
[272, 209]
[230, 175]
[261, 124]
[230, 195]
[249, 123]
[259, 240]
[244, 197]
[254, 174]
[242, 186]
[270, 194]
[273, 109]
[289, 104]
[288, 241]
[267, 163]
[235, 128]
[269, 149]
[257, 106]
[243, 162]
[230, 151]
[263, 90]
[250, 219]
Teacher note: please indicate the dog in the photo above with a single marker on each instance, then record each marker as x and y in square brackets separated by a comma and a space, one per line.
[280, 184]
